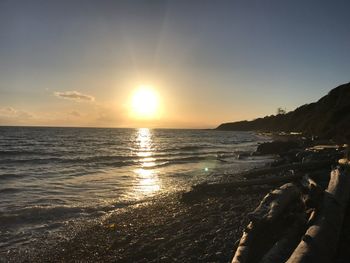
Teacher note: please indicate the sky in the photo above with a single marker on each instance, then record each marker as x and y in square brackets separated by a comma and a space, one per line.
[77, 63]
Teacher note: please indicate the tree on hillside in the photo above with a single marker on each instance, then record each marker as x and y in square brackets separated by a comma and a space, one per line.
[281, 110]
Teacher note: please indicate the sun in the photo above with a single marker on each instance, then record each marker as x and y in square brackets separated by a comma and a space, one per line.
[145, 102]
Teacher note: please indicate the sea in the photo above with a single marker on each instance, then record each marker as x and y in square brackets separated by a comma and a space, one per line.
[52, 178]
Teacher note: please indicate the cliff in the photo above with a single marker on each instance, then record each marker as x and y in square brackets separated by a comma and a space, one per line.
[328, 118]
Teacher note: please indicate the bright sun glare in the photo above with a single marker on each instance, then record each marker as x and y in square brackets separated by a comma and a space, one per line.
[144, 102]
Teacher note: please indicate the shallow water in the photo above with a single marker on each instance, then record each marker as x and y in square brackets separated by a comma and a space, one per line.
[50, 177]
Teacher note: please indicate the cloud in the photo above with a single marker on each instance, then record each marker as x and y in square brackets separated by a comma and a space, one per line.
[74, 95]
[8, 111]
[9, 114]
[74, 114]
[108, 116]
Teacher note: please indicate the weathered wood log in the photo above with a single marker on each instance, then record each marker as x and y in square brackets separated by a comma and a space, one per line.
[282, 249]
[275, 203]
[250, 247]
[344, 161]
[303, 167]
[220, 187]
[242, 252]
[319, 244]
[314, 195]
[270, 208]
[308, 183]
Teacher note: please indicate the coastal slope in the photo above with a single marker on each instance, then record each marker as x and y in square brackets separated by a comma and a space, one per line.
[327, 118]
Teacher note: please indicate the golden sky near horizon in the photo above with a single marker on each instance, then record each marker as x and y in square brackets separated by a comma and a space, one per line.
[137, 105]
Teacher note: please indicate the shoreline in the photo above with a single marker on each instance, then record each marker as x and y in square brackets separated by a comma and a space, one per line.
[58, 192]
[165, 228]
[206, 228]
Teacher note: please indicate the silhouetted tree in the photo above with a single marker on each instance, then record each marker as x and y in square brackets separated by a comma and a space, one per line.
[280, 110]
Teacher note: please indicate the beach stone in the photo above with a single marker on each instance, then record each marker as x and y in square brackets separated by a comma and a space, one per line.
[278, 162]
[302, 154]
[291, 155]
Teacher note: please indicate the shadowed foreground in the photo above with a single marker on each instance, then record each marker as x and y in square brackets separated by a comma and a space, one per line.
[165, 229]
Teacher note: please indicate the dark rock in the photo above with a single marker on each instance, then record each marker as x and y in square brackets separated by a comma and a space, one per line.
[317, 157]
[302, 154]
[291, 155]
[278, 162]
[277, 147]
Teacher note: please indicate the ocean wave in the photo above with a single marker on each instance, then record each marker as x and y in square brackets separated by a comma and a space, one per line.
[31, 160]
[159, 160]
[6, 176]
[114, 160]
[9, 190]
[39, 213]
[20, 152]
[183, 160]
[190, 147]
[33, 214]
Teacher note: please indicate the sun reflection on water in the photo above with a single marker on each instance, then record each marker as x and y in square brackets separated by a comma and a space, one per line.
[148, 181]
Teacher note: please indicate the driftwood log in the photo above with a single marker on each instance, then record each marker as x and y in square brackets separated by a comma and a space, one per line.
[282, 249]
[275, 203]
[244, 246]
[316, 221]
[302, 167]
[319, 244]
[264, 216]
[219, 187]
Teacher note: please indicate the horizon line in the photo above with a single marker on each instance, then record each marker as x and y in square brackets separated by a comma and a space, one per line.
[100, 127]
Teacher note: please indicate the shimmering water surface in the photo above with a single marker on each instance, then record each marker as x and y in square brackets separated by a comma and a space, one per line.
[51, 176]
